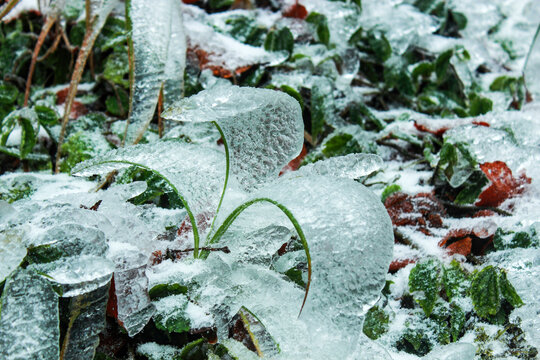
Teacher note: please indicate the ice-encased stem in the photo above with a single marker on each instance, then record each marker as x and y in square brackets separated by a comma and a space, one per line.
[227, 169]
[6, 8]
[236, 212]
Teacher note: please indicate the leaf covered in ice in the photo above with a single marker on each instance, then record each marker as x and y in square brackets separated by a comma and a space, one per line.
[159, 46]
[12, 251]
[262, 129]
[352, 166]
[29, 323]
[349, 267]
[195, 173]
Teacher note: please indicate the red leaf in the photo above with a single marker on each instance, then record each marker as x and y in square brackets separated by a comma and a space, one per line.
[439, 127]
[112, 303]
[398, 264]
[422, 210]
[205, 63]
[77, 109]
[294, 164]
[296, 11]
[462, 246]
[503, 184]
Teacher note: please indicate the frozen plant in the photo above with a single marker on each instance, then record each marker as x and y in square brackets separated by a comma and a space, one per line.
[343, 231]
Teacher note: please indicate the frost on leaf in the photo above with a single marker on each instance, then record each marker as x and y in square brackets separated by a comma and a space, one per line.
[86, 320]
[263, 128]
[158, 58]
[29, 323]
[197, 173]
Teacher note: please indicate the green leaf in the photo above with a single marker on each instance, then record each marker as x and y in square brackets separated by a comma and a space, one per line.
[219, 4]
[380, 46]
[485, 292]
[46, 115]
[376, 323]
[425, 283]
[508, 291]
[320, 23]
[28, 137]
[118, 105]
[424, 69]
[442, 63]
[117, 68]
[389, 190]
[279, 40]
[480, 105]
[455, 280]
[472, 188]
[171, 314]
[457, 322]
[163, 290]
[295, 94]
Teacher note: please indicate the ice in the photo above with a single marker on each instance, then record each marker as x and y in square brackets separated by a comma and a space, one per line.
[29, 322]
[131, 287]
[12, 251]
[197, 173]
[263, 128]
[86, 315]
[159, 56]
[77, 275]
[457, 351]
[352, 166]
[532, 64]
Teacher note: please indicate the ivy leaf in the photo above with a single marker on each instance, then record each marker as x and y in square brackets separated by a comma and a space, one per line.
[376, 323]
[442, 63]
[508, 291]
[457, 322]
[279, 40]
[46, 115]
[424, 283]
[28, 137]
[320, 23]
[485, 292]
[8, 93]
[454, 280]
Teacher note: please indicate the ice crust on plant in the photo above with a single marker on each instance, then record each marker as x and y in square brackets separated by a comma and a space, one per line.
[352, 166]
[197, 173]
[29, 321]
[263, 128]
[159, 49]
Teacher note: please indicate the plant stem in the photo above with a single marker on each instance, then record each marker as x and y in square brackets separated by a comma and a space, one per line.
[49, 22]
[5, 9]
[227, 170]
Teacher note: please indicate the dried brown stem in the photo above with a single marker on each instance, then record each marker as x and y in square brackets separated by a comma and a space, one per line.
[49, 22]
[51, 49]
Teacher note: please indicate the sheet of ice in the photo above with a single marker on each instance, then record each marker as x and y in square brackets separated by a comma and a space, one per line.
[263, 128]
[12, 250]
[87, 320]
[352, 166]
[77, 275]
[159, 55]
[196, 172]
[29, 322]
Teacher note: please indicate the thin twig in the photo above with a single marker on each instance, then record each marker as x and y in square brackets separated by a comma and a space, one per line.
[49, 22]
[51, 49]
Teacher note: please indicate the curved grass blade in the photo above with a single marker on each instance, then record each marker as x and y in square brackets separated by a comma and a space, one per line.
[230, 219]
[263, 128]
[192, 172]
[320, 208]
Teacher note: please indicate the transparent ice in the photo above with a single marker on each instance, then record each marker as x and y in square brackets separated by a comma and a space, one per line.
[159, 57]
[29, 321]
[263, 128]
